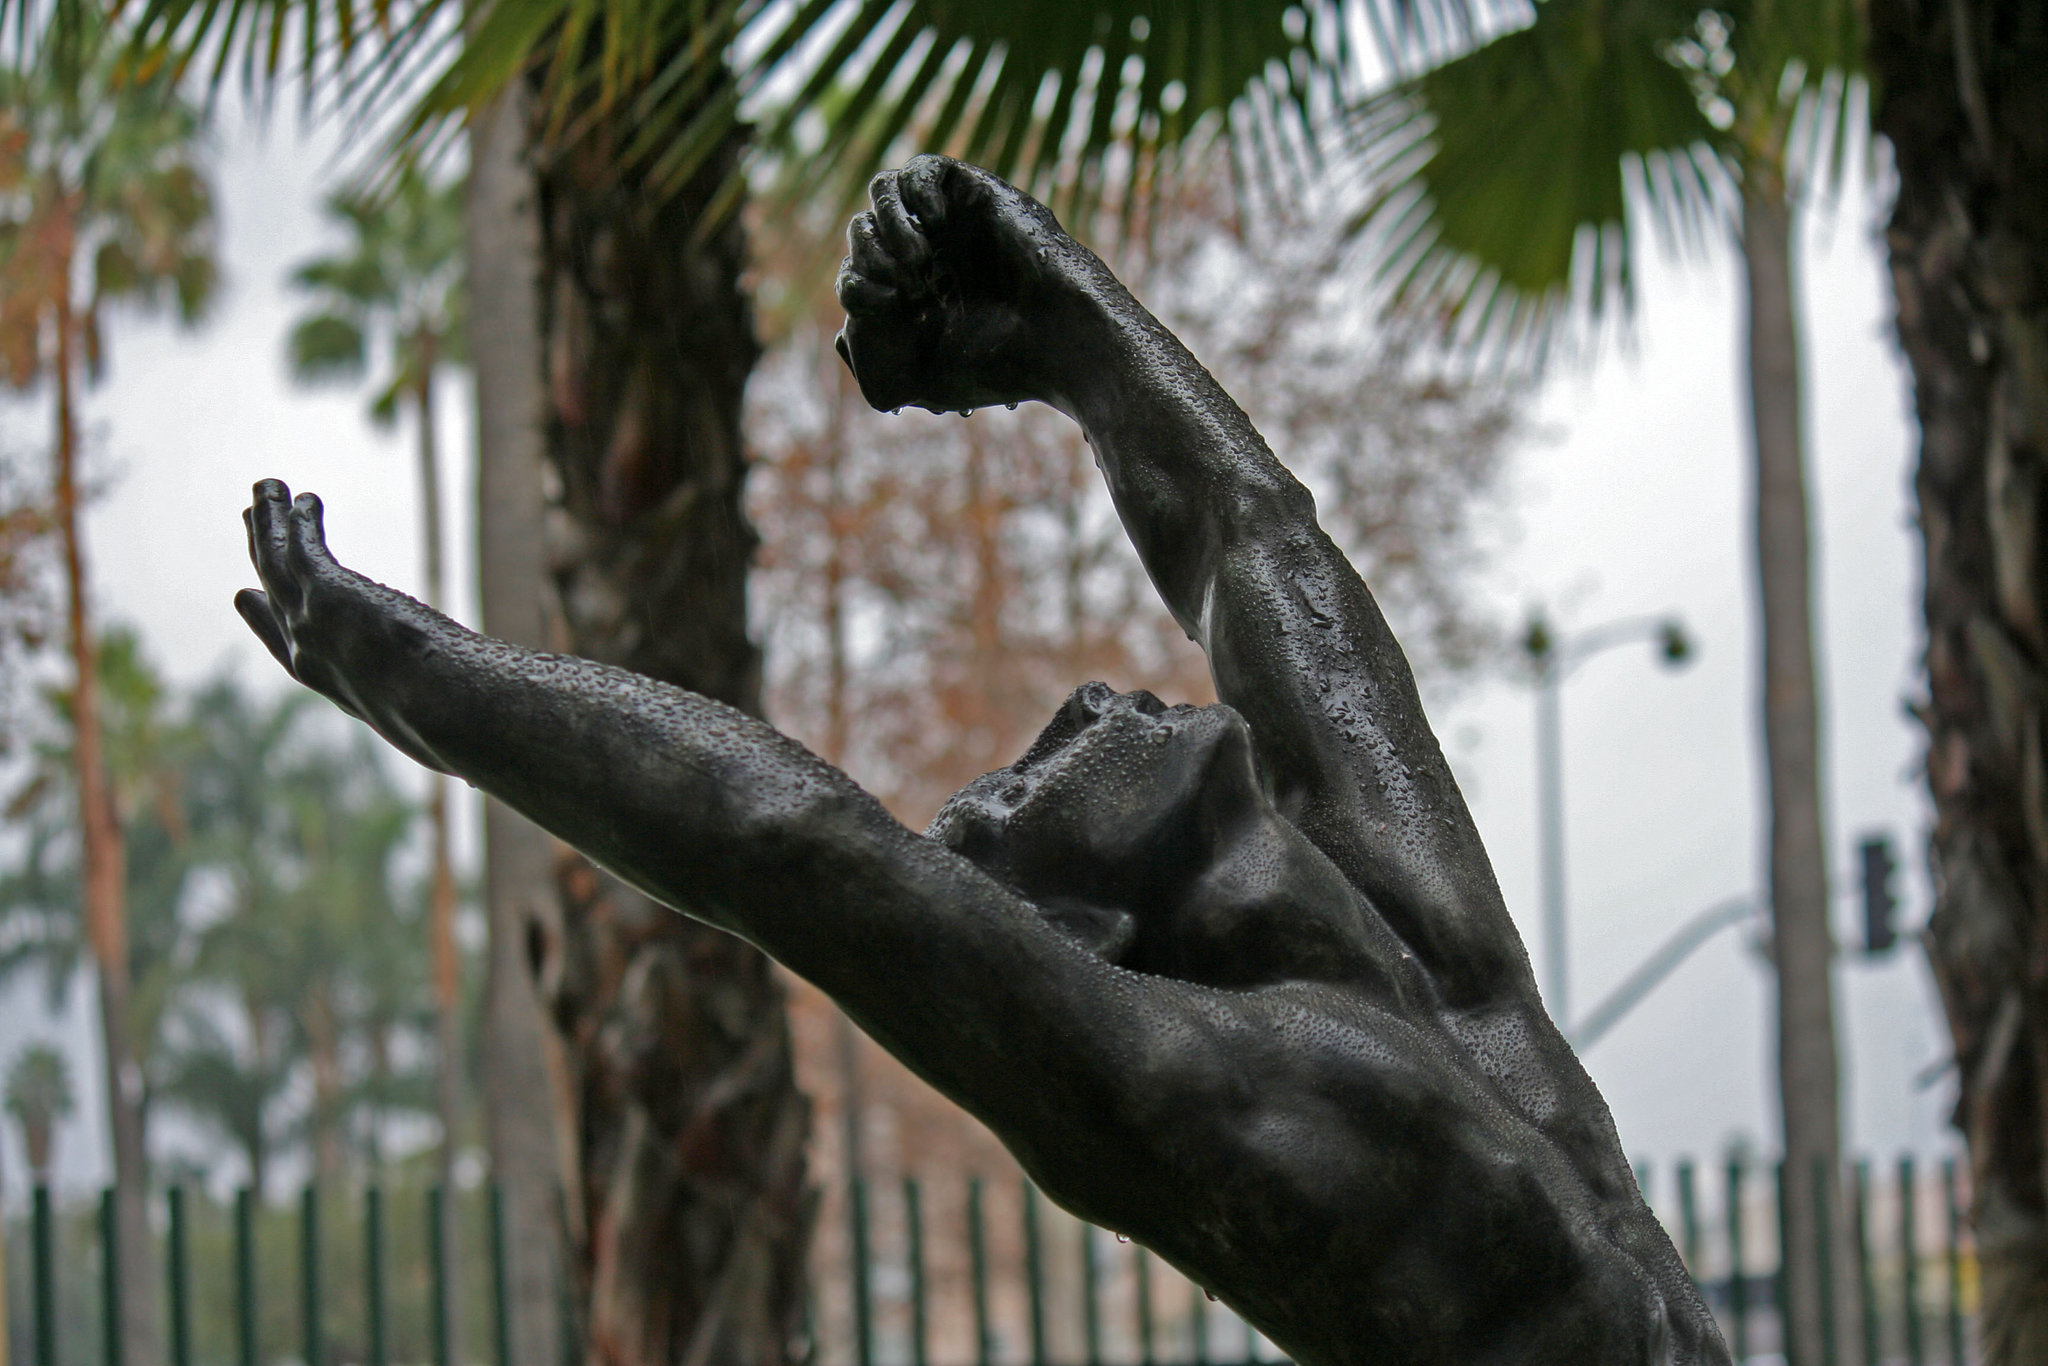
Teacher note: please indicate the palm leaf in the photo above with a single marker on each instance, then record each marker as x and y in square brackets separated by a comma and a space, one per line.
[327, 347]
[883, 73]
[1507, 171]
[1515, 178]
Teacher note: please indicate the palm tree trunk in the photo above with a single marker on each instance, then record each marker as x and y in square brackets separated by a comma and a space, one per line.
[105, 901]
[1802, 941]
[691, 1130]
[1963, 105]
[522, 1092]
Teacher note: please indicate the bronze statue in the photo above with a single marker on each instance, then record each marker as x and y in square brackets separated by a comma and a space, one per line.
[1235, 981]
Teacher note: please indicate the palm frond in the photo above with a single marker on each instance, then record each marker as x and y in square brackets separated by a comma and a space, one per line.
[1074, 98]
[1059, 97]
[327, 348]
[1516, 178]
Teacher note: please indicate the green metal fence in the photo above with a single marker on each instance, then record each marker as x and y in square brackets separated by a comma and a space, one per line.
[909, 1288]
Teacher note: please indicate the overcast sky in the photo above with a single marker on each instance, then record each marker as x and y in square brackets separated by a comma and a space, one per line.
[1630, 498]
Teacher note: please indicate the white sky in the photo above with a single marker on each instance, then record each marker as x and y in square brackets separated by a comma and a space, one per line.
[1633, 499]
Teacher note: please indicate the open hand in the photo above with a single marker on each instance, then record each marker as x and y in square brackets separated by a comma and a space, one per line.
[332, 629]
[960, 290]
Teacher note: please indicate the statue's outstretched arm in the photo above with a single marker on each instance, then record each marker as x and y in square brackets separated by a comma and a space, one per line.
[708, 809]
[1000, 304]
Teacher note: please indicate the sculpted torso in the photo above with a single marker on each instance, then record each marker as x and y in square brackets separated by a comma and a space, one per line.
[1235, 981]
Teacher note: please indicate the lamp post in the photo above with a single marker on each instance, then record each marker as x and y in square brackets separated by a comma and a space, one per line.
[1552, 658]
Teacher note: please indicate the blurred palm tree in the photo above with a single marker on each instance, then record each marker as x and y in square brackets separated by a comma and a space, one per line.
[312, 948]
[146, 750]
[104, 204]
[1516, 177]
[228, 1084]
[40, 891]
[38, 1096]
[397, 285]
[229, 1079]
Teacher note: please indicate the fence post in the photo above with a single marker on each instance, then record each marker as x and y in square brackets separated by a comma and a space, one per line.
[43, 1254]
[373, 1272]
[437, 1272]
[1141, 1267]
[245, 1277]
[501, 1292]
[309, 1275]
[1689, 1219]
[863, 1283]
[1781, 1281]
[1034, 1273]
[1738, 1280]
[1091, 1308]
[1955, 1263]
[1866, 1280]
[112, 1349]
[913, 1231]
[178, 1278]
[977, 1259]
[1909, 1261]
[1827, 1180]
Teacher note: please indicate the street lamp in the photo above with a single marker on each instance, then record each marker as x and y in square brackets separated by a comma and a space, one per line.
[1552, 657]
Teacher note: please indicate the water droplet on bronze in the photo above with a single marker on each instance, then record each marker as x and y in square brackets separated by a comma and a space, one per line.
[1210, 1293]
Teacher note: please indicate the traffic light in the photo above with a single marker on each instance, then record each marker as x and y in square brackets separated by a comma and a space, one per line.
[1880, 903]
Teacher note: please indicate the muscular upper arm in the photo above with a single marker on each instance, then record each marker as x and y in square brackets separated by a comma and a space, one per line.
[1297, 644]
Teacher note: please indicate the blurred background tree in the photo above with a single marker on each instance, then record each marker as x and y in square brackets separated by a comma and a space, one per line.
[104, 196]
[26, 528]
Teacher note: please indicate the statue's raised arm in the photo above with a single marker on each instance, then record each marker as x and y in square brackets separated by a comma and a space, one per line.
[963, 292]
[1232, 980]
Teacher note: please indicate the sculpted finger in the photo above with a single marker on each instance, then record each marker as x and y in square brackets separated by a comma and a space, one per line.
[869, 254]
[309, 534]
[895, 223]
[859, 295]
[255, 610]
[268, 520]
[922, 186]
